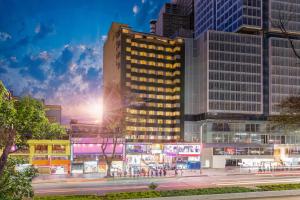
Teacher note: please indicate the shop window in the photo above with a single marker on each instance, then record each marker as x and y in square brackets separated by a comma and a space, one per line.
[58, 148]
[41, 148]
[218, 151]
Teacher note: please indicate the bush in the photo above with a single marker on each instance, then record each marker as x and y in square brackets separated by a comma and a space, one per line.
[277, 187]
[16, 185]
[153, 186]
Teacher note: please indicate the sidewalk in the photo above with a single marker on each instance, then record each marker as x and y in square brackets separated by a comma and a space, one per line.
[237, 196]
[170, 174]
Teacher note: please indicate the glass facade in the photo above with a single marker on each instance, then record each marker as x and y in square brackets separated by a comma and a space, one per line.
[204, 16]
[227, 15]
[234, 68]
[286, 12]
[284, 72]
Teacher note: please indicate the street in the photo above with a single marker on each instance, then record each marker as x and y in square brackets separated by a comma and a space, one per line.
[101, 186]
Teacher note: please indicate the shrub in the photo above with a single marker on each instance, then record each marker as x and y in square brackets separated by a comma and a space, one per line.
[16, 185]
[153, 186]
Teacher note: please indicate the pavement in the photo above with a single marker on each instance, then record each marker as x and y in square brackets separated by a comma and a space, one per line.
[170, 174]
[99, 186]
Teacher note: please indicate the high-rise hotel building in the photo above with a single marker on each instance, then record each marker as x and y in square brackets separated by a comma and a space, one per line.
[151, 67]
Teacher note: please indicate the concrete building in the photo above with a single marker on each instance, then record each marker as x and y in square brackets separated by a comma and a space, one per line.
[152, 67]
[242, 66]
[53, 113]
[176, 19]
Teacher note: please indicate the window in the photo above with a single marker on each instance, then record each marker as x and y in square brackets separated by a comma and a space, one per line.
[41, 148]
[58, 148]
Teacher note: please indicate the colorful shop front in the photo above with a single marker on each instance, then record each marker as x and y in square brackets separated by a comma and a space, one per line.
[88, 155]
[145, 156]
[50, 156]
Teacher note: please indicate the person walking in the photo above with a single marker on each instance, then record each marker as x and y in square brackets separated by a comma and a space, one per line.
[165, 172]
[176, 172]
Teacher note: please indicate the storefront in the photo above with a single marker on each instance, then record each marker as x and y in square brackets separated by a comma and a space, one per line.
[141, 157]
[50, 156]
[183, 156]
[88, 155]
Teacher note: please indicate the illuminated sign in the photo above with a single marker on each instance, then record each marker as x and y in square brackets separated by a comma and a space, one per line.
[183, 149]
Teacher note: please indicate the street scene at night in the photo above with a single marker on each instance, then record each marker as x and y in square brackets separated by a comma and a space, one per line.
[149, 99]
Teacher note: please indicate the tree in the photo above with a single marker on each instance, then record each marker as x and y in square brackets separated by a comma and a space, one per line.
[21, 120]
[289, 117]
[281, 20]
[116, 101]
[16, 184]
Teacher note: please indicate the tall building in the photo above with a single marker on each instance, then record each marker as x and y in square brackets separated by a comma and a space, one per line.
[151, 67]
[228, 15]
[241, 68]
[53, 113]
[176, 19]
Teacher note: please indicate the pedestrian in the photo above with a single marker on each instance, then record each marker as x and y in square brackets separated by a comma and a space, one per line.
[160, 172]
[181, 171]
[176, 172]
[165, 172]
[152, 173]
[156, 172]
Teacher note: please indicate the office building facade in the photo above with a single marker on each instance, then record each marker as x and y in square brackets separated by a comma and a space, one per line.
[228, 15]
[176, 19]
[240, 74]
[152, 67]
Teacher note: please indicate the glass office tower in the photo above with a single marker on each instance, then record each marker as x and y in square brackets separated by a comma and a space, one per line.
[228, 15]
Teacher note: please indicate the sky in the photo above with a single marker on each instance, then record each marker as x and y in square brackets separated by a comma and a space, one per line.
[52, 49]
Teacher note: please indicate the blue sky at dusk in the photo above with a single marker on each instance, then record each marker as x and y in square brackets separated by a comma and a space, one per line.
[52, 49]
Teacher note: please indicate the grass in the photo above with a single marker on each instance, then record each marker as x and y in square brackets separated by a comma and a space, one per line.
[172, 193]
[278, 187]
[151, 194]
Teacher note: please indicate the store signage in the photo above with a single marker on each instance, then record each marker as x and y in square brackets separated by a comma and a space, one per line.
[183, 149]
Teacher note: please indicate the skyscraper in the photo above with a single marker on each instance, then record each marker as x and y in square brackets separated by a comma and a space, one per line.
[151, 67]
[176, 19]
[243, 66]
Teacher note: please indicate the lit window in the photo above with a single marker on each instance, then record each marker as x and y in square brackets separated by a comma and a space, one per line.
[160, 56]
[128, 57]
[160, 48]
[168, 65]
[128, 49]
[168, 49]
[128, 40]
[138, 36]
[125, 30]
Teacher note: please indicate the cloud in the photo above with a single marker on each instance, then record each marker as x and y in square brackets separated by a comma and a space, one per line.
[42, 30]
[62, 63]
[147, 11]
[135, 9]
[2, 70]
[4, 36]
[143, 1]
[103, 38]
[34, 67]
[67, 76]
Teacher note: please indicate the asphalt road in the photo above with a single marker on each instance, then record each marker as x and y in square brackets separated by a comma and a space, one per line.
[277, 198]
[104, 186]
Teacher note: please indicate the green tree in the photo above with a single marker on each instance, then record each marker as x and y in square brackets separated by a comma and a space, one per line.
[14, 184]
[289, 117]
[116, 101]
[21, 120]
